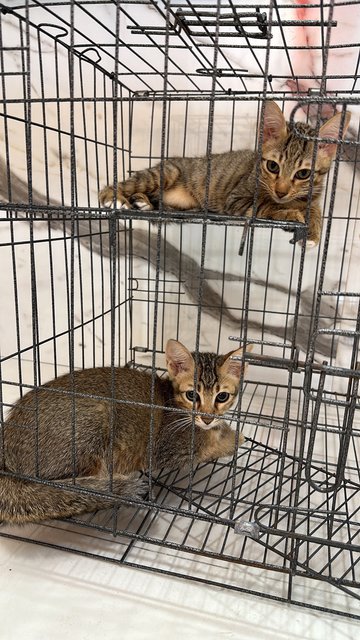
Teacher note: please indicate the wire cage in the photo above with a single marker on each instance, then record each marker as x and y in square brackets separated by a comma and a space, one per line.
[92, 91]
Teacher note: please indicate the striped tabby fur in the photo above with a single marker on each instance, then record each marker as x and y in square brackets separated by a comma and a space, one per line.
[284, 183]
[79, 429]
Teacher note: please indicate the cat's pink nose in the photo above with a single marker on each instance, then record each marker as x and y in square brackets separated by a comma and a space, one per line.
[207, 420]
[281, 187]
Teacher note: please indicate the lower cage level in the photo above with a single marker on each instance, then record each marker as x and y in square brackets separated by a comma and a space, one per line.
[228, 532]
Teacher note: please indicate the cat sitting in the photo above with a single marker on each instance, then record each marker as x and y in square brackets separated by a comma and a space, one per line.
[284, 180]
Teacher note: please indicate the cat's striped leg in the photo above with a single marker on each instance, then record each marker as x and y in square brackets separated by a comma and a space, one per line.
[141, 188]
[276, 212]
[315, 226]
[315, 222]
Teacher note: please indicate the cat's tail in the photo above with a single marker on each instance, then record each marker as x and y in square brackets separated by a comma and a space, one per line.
[26, 501]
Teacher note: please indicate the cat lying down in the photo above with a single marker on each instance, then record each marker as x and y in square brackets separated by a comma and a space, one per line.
[282, 190]
[86, 423]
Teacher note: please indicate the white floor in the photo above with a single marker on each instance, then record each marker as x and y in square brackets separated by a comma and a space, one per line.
[56, 595]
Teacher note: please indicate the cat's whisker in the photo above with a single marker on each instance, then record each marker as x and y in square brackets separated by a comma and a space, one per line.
[180, 422]
[179, 427]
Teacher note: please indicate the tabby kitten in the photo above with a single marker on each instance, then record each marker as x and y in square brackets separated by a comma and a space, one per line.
[284, 177]
[40, 439]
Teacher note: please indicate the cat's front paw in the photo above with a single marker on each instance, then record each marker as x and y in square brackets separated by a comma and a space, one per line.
[312, 237]
[106, 199]
[138, 201]
[311, 244]
[314, 233]
[141, 202]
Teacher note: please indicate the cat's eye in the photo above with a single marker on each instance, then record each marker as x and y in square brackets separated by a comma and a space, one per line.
[272, 166]
[223, 396]
[303, 174]
[192, 395]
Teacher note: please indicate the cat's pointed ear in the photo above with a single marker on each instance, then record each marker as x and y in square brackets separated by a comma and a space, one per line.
[232, 367]
[178, 359]
[331, 129]
[274, 122]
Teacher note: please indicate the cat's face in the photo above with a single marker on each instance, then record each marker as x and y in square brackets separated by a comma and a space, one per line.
[287, 158]
[217, 382]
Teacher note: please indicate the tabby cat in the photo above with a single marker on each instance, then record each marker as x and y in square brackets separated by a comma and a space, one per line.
[284, 184]
[40, 439]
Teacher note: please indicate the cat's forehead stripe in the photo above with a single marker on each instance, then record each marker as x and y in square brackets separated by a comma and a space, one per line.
[207, 370]
[301, 146]
[294, 150]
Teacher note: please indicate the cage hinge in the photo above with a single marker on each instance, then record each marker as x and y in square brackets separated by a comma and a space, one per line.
[171, 28]
[247, 528]
[5, 10]
[275, 362]
[220, 73]
[141, 349]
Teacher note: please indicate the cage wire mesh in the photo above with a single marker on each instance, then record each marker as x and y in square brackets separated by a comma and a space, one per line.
[92, 91]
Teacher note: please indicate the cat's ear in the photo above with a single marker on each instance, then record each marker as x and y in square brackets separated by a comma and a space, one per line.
[178, 359]
[232, 367]
[331, 129]
[274, 122]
